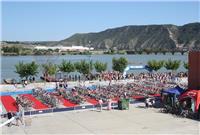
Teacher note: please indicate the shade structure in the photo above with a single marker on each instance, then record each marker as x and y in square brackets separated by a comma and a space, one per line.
[193, 94]
[177, 90]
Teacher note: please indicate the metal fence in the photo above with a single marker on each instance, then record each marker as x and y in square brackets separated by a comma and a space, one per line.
[75, 108]
[82, 107]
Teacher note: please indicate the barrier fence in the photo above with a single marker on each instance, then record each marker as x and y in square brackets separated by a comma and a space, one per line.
[83, 107]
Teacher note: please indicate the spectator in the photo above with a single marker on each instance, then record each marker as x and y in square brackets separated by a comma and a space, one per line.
[33, 79]
[18, 118]
[25, 82]
[10, 115]
[100, 104]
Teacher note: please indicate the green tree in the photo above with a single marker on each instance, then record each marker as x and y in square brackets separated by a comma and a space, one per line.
[119, 64]
[49, 68]
[21, 69]
[33, 68]
[91, 65]
[66, 66]
[100, 66]
[12, 49]
[155, 65]
[83, 67]
[26, 69]
[186, 65]
[172, 65]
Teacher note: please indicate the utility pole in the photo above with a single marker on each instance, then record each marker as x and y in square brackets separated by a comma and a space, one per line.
[89, 56]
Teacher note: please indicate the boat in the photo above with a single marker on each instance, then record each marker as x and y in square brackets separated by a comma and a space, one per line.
[48, 79]
[10, 81]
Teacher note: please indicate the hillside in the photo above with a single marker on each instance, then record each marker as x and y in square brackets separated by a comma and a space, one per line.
[133, 37]
[140, 37]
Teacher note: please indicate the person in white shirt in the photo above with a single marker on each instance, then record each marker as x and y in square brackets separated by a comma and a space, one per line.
[100, 104]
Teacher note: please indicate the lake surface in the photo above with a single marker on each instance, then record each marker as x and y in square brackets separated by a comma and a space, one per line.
[8, 62]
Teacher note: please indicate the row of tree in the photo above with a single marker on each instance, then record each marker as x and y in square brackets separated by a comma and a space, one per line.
[169, 64]
[26, 70]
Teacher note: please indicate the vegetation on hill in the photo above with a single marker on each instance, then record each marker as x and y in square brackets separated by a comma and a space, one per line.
[145, 38]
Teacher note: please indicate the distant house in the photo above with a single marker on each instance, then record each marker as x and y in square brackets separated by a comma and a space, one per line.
[64, 48]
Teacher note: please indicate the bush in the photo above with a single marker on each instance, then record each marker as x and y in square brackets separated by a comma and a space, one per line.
[83, 67]
[26, 69]
[66, 66]
[119, 64]
[172, 65]
[155, 65]
[49, 68]
[100, 67]
[186, 65]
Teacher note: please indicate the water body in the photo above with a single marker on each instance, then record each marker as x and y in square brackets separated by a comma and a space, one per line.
[8, 62]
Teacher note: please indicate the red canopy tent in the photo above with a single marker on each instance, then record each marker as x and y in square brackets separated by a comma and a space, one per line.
[194, 95]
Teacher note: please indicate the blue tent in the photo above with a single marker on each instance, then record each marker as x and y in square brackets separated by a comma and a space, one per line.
[177, 91]
[171, 95]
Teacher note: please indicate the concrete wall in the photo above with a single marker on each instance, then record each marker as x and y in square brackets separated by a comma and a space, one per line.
[194, 70]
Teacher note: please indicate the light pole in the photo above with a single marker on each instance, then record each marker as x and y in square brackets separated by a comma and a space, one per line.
[89, 56]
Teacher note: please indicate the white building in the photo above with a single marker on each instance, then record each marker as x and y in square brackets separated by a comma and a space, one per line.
[64, 48]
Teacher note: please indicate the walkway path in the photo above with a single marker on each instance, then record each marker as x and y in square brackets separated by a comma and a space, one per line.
[137, 120]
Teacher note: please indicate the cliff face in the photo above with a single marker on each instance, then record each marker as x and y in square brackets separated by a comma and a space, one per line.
[140, 37]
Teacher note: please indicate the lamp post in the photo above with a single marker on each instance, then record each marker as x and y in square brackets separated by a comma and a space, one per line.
[89, 55]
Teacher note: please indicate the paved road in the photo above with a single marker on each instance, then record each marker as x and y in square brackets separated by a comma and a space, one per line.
[133, 121]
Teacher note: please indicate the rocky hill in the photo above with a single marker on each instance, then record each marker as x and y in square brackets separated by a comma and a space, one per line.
[140, 37]
[133, 37]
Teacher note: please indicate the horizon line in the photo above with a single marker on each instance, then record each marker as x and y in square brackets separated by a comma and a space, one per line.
[94, 32]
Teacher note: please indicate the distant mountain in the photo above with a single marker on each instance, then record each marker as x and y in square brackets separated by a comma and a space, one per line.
[140, 37]
[132, 37]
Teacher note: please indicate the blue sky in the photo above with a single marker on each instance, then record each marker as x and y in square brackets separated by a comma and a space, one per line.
[41, 21]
